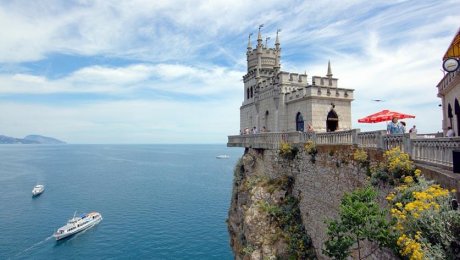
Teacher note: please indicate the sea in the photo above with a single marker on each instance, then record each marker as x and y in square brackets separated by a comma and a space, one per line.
[157, 201]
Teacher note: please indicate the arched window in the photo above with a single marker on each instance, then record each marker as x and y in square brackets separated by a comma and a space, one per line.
[332, 121]
[247, 93]
[252, 92]
[299, 124]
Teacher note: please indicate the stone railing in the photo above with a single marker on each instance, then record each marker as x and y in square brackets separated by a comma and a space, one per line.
[436, 151]
[339, 137]
[371, 139]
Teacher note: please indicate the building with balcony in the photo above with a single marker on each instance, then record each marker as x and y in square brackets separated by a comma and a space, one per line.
[449, 90]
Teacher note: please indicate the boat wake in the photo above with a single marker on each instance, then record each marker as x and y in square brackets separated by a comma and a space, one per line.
[33, 246]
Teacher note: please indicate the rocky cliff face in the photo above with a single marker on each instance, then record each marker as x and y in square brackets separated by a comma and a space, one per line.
[280, 203]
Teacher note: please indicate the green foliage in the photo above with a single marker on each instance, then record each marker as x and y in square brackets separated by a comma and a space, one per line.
[272, 210]
[288, 217]
[247, 250]
[359, 219]
[254, 180]
[290, 220]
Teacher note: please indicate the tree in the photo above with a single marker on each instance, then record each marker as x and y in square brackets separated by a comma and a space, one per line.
[359, 219]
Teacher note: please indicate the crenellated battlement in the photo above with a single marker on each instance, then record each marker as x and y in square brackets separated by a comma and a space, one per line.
[288, 78]
[267, 55]
[311, 91]
[324, 81]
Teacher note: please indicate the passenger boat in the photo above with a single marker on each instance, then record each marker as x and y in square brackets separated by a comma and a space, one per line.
[78, 224]
[224, 156]
[37, 190]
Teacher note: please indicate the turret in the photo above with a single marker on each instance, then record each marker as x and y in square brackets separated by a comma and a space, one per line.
[259, 38]
[249, 43]
[262, 61]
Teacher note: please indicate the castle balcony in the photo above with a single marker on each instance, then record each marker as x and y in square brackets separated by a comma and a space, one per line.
[448, 82]
[426, 149]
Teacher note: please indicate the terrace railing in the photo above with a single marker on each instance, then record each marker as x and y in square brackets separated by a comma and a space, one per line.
[436, 151]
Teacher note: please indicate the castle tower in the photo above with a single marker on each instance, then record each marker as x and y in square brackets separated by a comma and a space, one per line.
[262, 64]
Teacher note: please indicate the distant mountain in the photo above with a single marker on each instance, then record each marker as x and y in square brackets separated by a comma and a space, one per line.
[30, 139]
[43, 139]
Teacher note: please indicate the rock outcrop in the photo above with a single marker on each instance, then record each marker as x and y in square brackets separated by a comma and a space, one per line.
[280, 203]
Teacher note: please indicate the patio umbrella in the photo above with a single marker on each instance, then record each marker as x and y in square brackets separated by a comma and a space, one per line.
[384, 115]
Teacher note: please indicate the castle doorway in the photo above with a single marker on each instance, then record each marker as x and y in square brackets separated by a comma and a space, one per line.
[299, 122]
[266, 121]
[332, 121]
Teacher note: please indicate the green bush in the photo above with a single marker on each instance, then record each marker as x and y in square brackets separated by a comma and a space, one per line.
[360, 218]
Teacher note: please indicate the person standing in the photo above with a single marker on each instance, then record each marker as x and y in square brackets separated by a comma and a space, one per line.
[402, 126]
[450, 132]
[393, 127]
[413, 130]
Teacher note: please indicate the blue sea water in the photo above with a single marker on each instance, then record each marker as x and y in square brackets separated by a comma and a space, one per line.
[157, 201]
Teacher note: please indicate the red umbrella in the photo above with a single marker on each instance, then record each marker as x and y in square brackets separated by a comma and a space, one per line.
[384, 115]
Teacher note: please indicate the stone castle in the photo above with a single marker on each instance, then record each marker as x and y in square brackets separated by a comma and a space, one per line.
[279, 101]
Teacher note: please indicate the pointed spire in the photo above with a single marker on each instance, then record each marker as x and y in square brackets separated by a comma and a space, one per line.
[249, 42]
[277, 42]
[278, 51]
[259, 37]
[329, 71]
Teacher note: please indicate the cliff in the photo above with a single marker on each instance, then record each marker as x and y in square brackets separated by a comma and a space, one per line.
[280, 202]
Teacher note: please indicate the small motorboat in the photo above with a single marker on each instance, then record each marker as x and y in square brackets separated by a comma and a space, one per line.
[223, 156]
[37, 190]
[78, 224]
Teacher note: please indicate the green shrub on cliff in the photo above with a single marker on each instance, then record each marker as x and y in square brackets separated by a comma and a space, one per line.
[286, 214]
[288, 217]
[360, 218]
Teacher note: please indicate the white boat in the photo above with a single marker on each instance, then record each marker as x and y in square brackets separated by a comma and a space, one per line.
[38, 189]
[224, 156]
[78, 224]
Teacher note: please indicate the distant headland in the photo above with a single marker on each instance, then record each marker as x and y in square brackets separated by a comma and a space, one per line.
[30, 139]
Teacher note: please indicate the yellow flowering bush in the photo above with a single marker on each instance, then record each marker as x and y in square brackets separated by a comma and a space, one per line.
[420, 210]
[310, 147]
[411, 247]
[287, 150]
[396, 168]
[398, 163]
[360, 156]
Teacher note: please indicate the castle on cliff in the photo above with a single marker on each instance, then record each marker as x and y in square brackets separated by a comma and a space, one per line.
[279, 101]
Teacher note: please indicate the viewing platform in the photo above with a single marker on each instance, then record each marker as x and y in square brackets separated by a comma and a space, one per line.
[427, 149]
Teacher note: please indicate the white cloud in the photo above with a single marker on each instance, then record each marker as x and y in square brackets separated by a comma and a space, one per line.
[172, 78]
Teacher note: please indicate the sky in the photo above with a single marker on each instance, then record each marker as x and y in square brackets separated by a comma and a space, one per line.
[143, 71]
